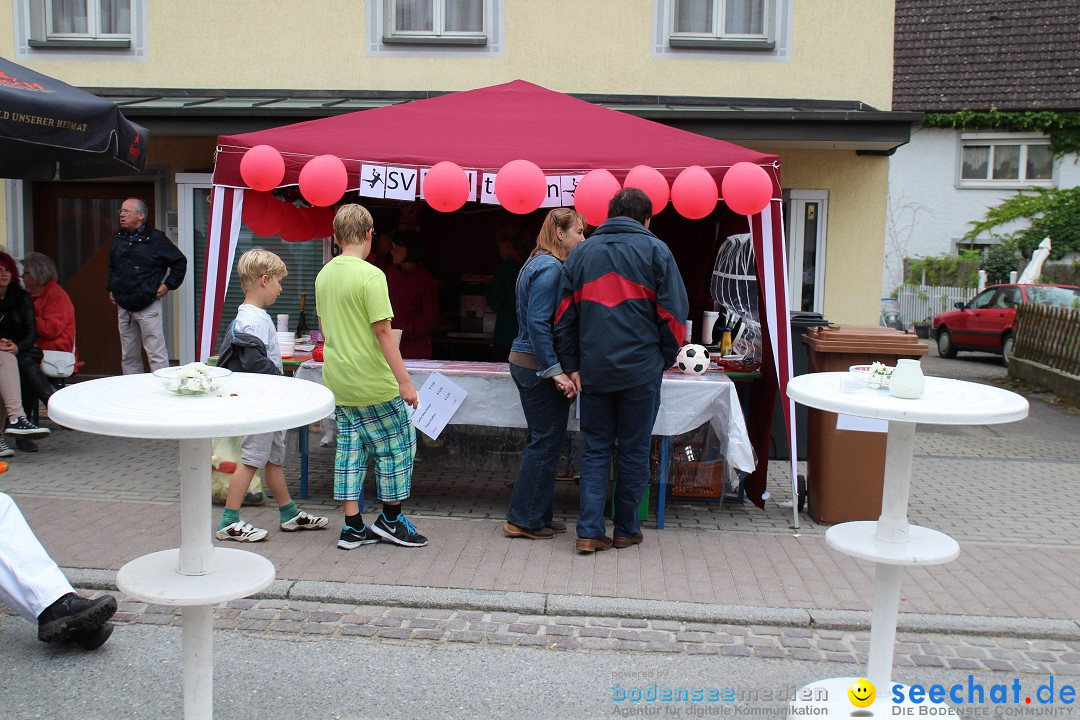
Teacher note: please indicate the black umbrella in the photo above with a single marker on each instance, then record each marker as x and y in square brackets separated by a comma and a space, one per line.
[49, 128]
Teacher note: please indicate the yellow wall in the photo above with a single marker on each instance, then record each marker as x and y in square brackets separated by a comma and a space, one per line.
[855, 235]
[599, 46]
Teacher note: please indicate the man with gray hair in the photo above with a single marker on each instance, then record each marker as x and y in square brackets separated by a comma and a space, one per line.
[144, 266]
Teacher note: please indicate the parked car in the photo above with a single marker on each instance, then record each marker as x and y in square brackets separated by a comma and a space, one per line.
[985, 323]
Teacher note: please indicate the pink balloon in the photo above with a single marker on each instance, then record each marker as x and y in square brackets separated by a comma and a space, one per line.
[267, 224]
[594, 193]
[652, 183]
[254, 206]
[262, 168]
[292, 226]
[694, 193]
[323, 180]
[446, 186]
[747, 188]
[520, 186]
[325, 228]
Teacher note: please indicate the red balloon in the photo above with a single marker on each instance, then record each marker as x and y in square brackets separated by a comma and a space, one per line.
[293, 226]
[262, 168]
[594, 193]
[520, 186]
[254, 206]
[747, 188]
[325, 224]
[267, 224]
[694, 193]
[446, 186]
[323, 180]
[652, 183]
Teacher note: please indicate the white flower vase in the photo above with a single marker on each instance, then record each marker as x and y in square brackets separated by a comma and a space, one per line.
[907, 380]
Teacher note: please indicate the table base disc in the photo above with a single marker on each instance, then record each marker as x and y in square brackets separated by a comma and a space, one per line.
[829, 699]
[154, 578]
[924, 547]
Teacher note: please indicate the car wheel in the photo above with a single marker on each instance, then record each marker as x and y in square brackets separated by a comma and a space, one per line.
[1006, 350]
[944, 344]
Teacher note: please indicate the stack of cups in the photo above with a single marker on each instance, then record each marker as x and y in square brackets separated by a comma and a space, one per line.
[283, 322]
[286, 343]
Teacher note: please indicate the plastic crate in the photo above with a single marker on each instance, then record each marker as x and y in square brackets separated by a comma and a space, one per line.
[703, 479]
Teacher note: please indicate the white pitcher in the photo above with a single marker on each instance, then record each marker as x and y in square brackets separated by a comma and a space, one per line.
[907, 379]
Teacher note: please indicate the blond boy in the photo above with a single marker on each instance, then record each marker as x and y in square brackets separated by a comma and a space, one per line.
[251, 345]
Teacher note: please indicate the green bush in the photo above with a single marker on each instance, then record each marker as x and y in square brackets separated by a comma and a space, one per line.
[944, 270]
[999, 261]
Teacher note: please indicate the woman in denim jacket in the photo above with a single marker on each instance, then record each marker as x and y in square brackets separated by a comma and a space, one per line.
[546, 391]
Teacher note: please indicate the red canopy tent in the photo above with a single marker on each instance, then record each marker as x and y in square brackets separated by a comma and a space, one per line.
[483, 130]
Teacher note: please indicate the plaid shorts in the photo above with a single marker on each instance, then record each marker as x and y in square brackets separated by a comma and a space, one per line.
[380, 431]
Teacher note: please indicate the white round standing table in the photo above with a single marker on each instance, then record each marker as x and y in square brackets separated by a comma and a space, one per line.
[892, 542]
[197, 575]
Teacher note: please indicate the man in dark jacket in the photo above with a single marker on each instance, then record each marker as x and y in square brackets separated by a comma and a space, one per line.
[144, 266]
[619, 323]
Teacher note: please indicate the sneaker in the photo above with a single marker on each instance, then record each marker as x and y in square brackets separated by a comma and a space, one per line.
[93, 639]
[240, 531]
[73, 615]
[351, 539]
[25, 444]
[399, 532]
[5, 451]
[303, 521]
[22, 426]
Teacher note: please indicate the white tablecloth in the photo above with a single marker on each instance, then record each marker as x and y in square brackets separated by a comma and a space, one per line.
[686, 402]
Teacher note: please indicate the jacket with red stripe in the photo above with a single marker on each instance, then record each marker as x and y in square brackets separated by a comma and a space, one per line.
[622, 309]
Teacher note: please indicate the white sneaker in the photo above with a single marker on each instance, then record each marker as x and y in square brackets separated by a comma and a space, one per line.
[303, 521]
[240, 531]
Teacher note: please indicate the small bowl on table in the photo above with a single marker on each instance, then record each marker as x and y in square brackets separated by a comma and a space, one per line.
[185, 380]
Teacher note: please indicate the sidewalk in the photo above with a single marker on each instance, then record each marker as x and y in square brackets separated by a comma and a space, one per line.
[1008, 497]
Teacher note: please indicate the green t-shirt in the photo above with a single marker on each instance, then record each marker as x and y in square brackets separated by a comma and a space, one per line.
[351, 294]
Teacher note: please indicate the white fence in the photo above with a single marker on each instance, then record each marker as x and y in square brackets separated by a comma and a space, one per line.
[923, 302]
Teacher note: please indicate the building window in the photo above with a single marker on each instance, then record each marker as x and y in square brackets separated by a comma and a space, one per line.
[745, 24]
[996, 159]
[80, 29]
[436, 22]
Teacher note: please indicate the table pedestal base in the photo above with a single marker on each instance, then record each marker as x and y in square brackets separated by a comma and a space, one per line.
[829, 699]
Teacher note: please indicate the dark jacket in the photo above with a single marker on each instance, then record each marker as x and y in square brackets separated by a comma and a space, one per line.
[18, 323]
[242, 352]
[622, 309]
[138, 263]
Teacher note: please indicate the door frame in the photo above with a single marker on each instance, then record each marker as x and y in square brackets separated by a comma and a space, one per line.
[795, 203]
[189, 293]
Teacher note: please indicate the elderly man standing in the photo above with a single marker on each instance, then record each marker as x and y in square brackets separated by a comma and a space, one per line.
[619, 324]
[144, 265]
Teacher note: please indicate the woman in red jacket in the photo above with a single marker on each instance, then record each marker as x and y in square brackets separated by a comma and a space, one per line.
[414, 295]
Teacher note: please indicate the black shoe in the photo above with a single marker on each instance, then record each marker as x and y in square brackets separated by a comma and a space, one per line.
[73, 615]
[22, 426]
[25, 444]
[351, 539]
[399, 532]
[5, 450]
[93, 639]
[557, 527]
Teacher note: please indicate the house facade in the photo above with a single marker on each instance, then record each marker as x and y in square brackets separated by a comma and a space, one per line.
[774, 75]
[1010, 56]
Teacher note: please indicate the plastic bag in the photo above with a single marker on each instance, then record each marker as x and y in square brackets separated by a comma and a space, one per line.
[224, 457]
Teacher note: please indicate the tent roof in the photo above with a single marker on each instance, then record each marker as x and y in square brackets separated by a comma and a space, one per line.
[484, 129]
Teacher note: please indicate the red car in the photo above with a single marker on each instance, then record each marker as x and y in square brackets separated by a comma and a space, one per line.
[985, 323]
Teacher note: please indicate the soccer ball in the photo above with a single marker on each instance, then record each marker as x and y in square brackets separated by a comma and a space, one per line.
[693, 359]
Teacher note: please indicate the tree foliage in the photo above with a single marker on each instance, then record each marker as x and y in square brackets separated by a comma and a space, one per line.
[1052, 212]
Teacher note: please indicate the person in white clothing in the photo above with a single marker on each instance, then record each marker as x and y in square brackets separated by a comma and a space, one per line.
[32, 585]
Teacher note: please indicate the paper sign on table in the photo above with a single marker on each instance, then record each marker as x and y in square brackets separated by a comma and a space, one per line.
[861, 424]
[439, 400]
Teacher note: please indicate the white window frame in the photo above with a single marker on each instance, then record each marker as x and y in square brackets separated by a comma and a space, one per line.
[93, 27]
[795, 203]
[378, 45]
[34, 42]
[439, 35]
[994, 140]
[717, 38]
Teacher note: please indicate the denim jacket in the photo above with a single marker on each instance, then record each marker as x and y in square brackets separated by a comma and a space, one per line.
[537, 291]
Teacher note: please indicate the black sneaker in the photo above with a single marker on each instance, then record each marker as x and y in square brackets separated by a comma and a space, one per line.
[22, 426]
[93, 639]
[73, 615]
[399, 532]
[25, 444]
[5, 451]
[351, 539]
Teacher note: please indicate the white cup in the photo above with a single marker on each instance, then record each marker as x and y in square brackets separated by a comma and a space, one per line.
[283, 322]
[287, 348]
[708, 322]
[286, 337]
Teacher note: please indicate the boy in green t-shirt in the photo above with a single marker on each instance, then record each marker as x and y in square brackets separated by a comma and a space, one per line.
[363, 367]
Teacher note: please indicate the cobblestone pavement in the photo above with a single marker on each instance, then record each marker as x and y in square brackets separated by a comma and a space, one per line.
[975, 653]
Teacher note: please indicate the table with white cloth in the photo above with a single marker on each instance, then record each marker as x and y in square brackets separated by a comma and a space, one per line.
[197, 575]
[686, 403]
[891, 542]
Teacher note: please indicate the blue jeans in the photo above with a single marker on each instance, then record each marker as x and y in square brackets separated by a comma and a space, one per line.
[626, 416]
[546, 412]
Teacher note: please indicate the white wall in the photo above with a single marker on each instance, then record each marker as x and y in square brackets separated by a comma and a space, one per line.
[927, 212]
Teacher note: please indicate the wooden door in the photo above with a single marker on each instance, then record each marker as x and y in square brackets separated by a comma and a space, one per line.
[74, 224]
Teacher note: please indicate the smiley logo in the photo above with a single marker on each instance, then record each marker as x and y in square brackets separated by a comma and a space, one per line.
[862, 693]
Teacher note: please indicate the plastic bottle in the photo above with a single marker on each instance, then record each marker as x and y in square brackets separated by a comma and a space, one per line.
[725, 342]
[689, 339]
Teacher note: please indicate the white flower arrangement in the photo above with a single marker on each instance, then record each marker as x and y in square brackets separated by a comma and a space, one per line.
[879, 376]
[192, 379]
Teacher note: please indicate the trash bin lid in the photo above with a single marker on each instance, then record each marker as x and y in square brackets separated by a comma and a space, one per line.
[806, 318]
[859, 338]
